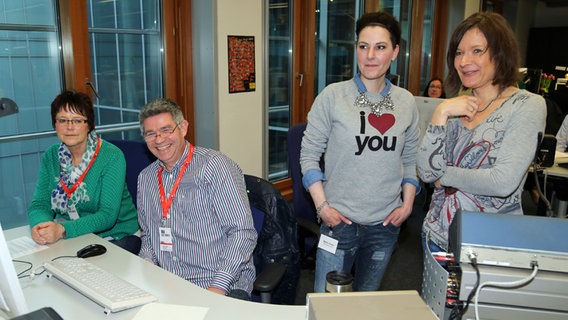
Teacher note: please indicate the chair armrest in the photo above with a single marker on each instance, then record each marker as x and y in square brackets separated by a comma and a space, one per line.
[311, 226]
[270, 277]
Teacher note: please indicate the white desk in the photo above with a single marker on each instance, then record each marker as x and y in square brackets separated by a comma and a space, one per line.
[169, 288]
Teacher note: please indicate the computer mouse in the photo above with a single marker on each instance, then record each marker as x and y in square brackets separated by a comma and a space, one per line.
[91, 250]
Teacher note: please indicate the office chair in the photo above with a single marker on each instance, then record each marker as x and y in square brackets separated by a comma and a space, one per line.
[137, 158]
[269, 275]
[304, 209]
[276, 256]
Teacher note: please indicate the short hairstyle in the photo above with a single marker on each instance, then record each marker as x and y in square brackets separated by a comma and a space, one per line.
[77, 102]
[501, 45]
[159, 106]
[380, 19]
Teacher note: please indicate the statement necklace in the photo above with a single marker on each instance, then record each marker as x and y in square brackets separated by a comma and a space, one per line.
[377, 108]
[490, 102]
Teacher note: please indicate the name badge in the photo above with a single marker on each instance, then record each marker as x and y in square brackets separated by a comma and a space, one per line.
[166, 243]
[328, 244]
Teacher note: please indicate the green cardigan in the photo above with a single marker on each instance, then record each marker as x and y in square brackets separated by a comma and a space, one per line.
[109, 211]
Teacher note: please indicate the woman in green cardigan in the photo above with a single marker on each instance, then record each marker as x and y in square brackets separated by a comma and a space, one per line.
[81, 184]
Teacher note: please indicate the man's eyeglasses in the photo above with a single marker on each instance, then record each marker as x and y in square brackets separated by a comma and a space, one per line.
[163, 132]
[75, 122]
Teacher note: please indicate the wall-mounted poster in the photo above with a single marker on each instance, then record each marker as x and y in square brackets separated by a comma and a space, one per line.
[241, 64]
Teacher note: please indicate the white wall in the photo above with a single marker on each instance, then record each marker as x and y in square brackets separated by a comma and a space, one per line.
[241, 129]
[231, 123]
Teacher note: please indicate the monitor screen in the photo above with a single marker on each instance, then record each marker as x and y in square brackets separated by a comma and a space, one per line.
[426, 106]
[12, 301]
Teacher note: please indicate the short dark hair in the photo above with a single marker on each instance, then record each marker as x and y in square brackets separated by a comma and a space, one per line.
[425, 94]
[77, 102]
[381, 19]
[501, 45]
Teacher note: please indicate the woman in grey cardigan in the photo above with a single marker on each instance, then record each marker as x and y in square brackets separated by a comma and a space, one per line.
[479, 145]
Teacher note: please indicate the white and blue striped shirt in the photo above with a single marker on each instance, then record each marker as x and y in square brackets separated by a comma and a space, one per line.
[210, 219]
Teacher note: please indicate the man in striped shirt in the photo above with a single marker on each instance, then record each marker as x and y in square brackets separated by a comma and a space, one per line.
[193, 208]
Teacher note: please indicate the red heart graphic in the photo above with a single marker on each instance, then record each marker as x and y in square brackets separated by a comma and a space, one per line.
[383, 122]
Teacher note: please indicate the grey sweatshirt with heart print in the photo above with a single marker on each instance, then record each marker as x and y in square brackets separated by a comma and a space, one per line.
[367, 157]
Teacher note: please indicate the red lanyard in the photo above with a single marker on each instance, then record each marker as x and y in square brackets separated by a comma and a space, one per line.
[167, 203]
[68, 191]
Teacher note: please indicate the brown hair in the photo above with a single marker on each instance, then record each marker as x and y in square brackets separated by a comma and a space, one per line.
[501, 45]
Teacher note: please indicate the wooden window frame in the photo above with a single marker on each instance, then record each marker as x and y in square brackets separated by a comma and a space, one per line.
[178, 66]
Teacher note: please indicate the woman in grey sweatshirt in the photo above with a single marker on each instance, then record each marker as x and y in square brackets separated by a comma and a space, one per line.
[368, 130]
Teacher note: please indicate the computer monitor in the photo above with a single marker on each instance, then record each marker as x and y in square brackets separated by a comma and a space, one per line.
[12, 301]
[426, 106]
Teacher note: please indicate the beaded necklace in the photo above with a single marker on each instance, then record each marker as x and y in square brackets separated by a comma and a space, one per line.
[377, 108]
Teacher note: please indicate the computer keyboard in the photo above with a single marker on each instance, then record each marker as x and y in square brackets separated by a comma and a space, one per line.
[99, 285]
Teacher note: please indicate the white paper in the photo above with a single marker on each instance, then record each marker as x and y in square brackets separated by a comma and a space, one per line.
[155, 310]
[23, 246]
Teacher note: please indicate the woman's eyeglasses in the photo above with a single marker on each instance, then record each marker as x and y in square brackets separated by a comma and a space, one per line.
[75, 122]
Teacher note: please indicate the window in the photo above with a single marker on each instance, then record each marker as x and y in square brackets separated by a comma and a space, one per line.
[126, 61]
[30, 60]
[118, 47]
[293, 63]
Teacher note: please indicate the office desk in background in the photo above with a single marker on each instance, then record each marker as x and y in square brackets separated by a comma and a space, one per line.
[560, 206]
[169, 288]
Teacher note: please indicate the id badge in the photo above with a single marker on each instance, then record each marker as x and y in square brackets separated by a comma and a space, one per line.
[328, 244]
[166, 243]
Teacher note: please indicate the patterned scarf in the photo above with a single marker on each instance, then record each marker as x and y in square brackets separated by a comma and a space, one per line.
[68, 173]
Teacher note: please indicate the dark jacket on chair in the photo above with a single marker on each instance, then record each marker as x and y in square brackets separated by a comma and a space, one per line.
[278, 238]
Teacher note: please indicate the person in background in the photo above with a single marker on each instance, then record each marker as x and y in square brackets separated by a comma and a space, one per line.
[435, 89]
[193, 208]
[479, 145]
[562, 136]
[81, 184]
[368, 130]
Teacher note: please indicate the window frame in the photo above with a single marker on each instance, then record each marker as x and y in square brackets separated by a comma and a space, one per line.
[177, 43]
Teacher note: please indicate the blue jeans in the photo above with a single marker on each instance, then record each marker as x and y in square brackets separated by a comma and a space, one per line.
[366, 249]
[433, 247]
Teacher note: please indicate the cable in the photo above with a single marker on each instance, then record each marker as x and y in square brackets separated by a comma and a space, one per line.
[473, 259]
[33, 273]
[30, 266]
[512, 284]
[60, 257]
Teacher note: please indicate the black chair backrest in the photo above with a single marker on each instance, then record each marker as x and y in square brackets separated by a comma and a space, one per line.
[546, 151]
[137, 158]
[277, 240]
[303, 204]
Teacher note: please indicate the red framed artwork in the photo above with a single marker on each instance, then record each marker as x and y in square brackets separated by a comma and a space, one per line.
[242, 76]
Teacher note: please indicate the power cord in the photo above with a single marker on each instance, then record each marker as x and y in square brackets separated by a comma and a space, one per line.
[29, 264]
[37, 271]
[472, 256]
[32, 273]
[512, 284]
